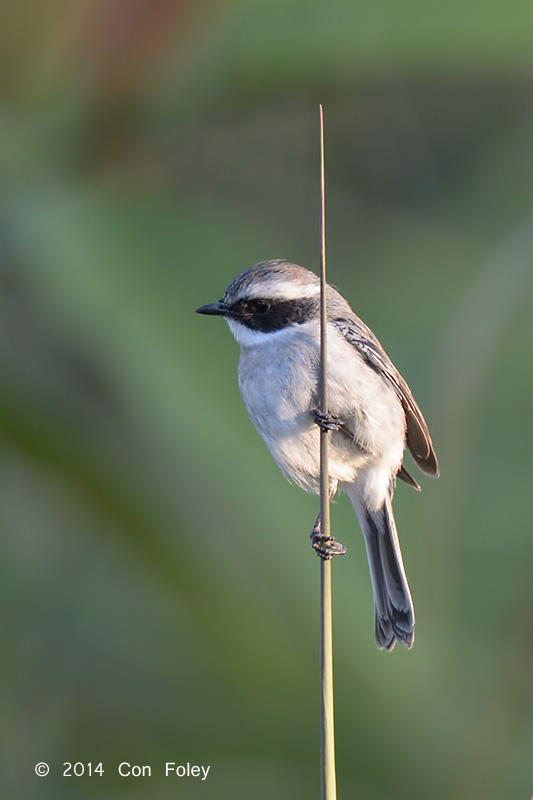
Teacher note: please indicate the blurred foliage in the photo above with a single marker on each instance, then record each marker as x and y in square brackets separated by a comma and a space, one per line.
[158, 592]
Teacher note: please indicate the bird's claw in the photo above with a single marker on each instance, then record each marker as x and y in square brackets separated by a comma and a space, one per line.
[328, 422]
[327, 546]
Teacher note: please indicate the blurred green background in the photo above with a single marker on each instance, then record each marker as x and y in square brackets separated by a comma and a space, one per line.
[149, 151]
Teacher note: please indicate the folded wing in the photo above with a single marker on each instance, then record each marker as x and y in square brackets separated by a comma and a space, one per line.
[418, 437]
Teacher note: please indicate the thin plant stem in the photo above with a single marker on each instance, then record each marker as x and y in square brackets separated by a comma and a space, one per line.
[327, 728]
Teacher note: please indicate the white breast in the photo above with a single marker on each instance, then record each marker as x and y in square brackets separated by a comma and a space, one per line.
[278, 378]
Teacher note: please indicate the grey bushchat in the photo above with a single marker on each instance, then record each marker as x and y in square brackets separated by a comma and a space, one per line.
[273, 311]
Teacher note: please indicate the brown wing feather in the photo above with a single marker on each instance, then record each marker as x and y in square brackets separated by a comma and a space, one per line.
[417, 434]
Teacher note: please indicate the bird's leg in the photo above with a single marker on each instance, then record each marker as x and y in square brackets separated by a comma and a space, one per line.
[326, 546]
[328, 422]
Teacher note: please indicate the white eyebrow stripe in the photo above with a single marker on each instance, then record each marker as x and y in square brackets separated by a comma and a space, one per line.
[280, 290]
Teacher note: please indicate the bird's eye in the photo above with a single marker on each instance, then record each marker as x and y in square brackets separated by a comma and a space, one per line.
[260, 307]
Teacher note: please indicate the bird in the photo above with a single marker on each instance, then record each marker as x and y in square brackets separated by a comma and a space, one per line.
[273, 311]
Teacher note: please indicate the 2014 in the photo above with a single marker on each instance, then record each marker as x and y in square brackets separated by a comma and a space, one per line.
[78, 769]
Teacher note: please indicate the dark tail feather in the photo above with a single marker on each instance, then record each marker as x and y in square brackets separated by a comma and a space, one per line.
[395, 615]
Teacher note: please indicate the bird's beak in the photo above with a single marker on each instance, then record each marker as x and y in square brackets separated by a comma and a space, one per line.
[213, 308]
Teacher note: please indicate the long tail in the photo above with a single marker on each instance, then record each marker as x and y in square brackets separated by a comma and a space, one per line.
[394, 611]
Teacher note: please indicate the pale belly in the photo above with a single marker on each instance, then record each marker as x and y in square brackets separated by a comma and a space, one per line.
[279, 402]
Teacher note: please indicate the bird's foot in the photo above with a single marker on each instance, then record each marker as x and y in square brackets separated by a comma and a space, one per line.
[328, 422]
[326, 546]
